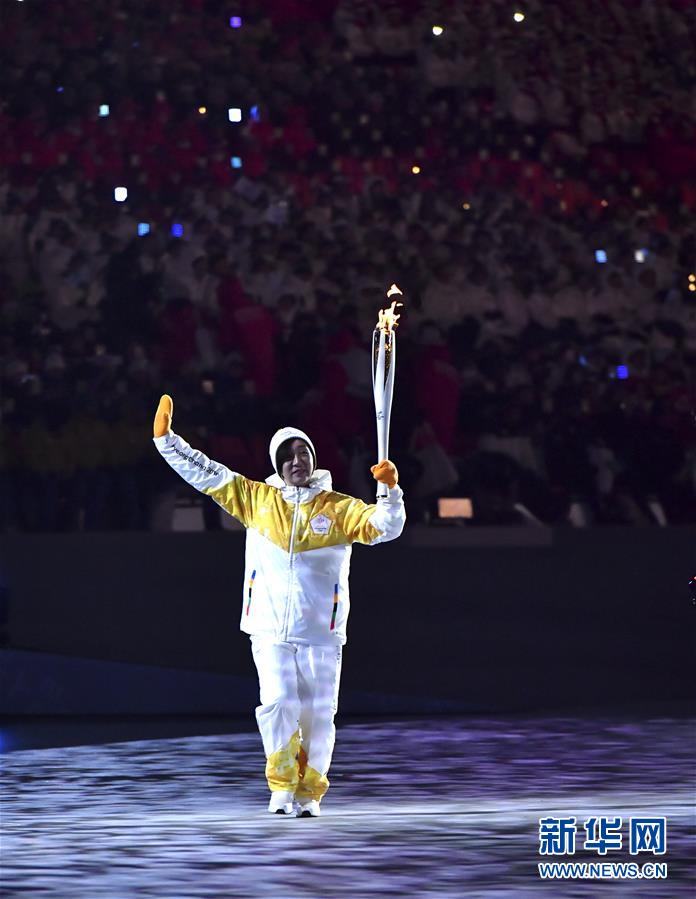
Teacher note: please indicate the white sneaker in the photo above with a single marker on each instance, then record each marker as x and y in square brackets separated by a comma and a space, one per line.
[308, 809]
[282, 803]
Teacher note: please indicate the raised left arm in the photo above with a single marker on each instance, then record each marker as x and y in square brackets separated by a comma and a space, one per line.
[381, 521]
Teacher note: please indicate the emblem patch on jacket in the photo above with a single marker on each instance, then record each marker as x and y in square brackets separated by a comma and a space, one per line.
[320, 524]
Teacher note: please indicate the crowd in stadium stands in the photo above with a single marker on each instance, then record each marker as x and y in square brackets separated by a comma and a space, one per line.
[529, 182]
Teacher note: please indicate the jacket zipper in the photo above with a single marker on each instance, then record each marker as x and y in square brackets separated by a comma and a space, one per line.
[293, 528]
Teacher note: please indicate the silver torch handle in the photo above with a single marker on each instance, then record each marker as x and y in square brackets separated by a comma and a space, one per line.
[383, 369]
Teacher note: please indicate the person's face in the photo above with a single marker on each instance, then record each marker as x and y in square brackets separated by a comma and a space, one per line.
[296, 467]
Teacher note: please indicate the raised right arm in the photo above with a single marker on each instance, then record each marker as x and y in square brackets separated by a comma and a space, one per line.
[229, 489]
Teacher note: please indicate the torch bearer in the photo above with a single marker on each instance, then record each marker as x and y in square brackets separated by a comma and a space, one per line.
[383, 371]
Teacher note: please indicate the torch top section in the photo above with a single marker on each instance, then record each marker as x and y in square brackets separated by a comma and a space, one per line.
[388, 319]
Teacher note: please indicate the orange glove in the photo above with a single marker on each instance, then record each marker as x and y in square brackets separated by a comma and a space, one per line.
[386, 473]
[163, 416]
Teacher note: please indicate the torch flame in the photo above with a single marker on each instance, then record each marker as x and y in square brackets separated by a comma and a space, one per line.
[388, 319]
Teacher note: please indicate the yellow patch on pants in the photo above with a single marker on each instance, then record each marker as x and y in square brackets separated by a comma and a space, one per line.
[312, 784]
[283, 768]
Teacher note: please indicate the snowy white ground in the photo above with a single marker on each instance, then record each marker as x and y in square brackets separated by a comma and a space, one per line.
[417, 808]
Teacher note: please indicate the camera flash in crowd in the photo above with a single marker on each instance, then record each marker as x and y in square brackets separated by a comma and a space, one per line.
[600, 256]
[236, 162]
[202, 110]
[234, 114]
[640, 255]
[415, 169]
[518, 16]
[143, 229]
[120, 194]
[235, 21]
[437, 30]
[104, 109]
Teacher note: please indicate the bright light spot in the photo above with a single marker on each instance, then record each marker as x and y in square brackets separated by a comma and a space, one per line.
[600, 255]
[692, 287]
[234, 114]
[202, 110]
[235, 21]
[59, 90]
[416, 170]
[254, 114]
[120, 194]
[437, 30]
[622, 372]
[604, 203]
[143, 229]
[236, 162]
[518, 16]
[640, 255]
[692, 277]
[177, 230]
[104, 109]
[466, 205]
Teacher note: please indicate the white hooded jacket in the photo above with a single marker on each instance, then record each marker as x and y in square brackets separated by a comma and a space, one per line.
[298, 543]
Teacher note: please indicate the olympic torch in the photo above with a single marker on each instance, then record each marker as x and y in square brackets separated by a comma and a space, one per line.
[383, 371]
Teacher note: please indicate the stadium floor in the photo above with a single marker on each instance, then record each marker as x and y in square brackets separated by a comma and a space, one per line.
[446, 807]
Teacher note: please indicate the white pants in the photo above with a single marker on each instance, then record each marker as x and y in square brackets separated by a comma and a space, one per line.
[299, 698]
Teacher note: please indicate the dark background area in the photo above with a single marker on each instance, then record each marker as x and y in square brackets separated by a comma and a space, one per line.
[581, 619]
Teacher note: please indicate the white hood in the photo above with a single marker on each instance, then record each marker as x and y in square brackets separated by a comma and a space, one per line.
[289, 434]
